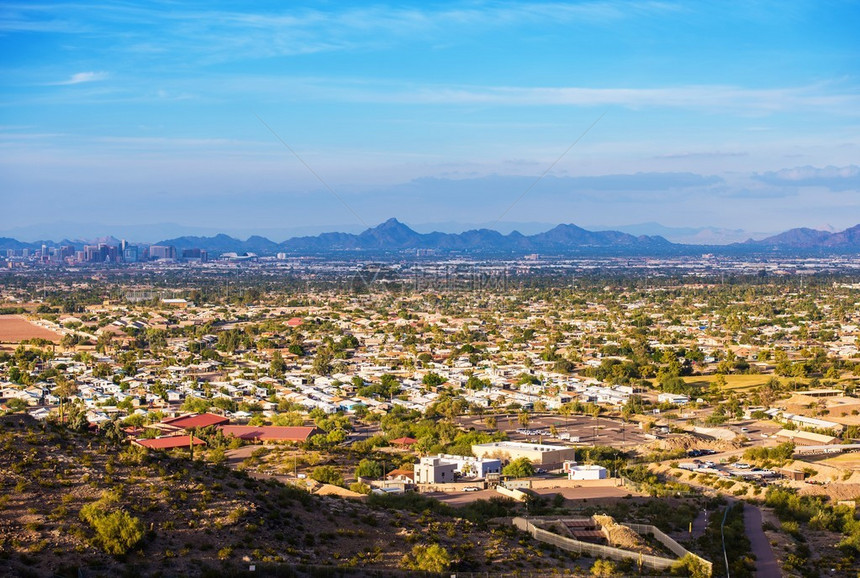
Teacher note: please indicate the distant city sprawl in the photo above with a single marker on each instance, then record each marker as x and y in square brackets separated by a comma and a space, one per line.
[474, 416]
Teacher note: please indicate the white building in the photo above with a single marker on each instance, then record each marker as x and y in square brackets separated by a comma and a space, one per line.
[584, 472]
[472, 467]
[432, 470]
[673, 398]
[541, 455]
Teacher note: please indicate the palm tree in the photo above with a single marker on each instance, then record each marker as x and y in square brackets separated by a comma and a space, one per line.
[65, 389]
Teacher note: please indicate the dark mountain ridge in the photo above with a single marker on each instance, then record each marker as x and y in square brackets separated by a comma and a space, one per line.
[804, 238]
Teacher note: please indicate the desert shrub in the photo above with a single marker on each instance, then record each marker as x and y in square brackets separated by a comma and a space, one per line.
[360, 487]
[116, 530]
[432, 558]
[327, 475]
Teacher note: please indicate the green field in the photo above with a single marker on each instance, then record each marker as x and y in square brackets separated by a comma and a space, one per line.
[733, 382]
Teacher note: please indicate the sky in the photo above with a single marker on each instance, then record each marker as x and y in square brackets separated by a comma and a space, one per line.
[275, 117]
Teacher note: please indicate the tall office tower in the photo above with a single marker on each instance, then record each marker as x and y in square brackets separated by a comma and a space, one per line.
[130, 254]
[162, 252]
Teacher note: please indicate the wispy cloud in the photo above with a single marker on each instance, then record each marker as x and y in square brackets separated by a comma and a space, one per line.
[82, 78]
[224, 33]
[834, 178]
[714, 97]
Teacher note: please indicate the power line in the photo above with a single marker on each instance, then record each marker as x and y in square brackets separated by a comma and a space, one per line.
[313, 172]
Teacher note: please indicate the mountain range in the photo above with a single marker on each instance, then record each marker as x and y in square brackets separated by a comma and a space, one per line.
[394, 236]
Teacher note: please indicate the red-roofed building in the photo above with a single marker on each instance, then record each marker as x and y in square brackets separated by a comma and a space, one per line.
[404, 442]
[295, 321]
[170, 442]
[269, 433]
[401, 475]
[196, 420]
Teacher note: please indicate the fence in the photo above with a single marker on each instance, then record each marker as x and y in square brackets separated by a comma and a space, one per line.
[312, 571]
[597, 550]
[513, 494]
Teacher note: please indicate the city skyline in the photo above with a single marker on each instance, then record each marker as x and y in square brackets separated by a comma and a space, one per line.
[601, 114]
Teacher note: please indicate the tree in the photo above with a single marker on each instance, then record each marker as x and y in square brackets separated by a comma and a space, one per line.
[112, 430]
[64, 390]
[16, 404]
[368, 469]
[519, 468]
[102, 370]
[432, 558]
[523, 418]
[433, 379]
[490, 422]
[327, 475]
[278, 366]
[322, 362]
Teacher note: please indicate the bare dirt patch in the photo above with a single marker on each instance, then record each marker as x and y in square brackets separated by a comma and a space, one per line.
[621, 536]
[15, 329]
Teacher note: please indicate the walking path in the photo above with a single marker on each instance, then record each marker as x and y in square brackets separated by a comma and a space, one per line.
[765, 564]
[699, 524]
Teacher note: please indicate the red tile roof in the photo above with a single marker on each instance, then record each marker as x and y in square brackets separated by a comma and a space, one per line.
[404, 441]
[400, 473]
[269, 432]
[295, 321]
[170, 442]
[196, 420]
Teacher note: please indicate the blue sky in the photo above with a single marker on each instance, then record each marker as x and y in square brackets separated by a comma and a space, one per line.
[740, 115]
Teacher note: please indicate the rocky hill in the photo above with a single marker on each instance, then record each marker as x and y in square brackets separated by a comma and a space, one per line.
[77, 500]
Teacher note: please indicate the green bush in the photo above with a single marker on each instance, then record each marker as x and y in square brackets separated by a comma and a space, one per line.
[519, 468]
[327, 475]
[117, 531]
[432, 558]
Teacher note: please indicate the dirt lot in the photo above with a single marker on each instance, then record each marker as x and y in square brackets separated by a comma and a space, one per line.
[594, 493]
[14, 329]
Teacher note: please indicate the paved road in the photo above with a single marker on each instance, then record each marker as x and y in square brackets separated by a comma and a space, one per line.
[765, 565]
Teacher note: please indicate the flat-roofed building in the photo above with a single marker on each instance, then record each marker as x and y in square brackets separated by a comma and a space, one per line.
[543, 455]
[432, 470]
[470, 466]
[586, 472]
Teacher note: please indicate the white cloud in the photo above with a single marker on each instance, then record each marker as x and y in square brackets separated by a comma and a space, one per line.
[834, 178]
[82, 77]
[713, 97]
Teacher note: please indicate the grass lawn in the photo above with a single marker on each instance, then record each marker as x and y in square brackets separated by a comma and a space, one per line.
[733, 382]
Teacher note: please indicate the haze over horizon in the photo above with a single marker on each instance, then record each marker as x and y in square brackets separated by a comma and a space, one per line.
[743, 117]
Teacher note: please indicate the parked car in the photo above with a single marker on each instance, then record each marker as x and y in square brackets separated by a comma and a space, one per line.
[471, 489]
